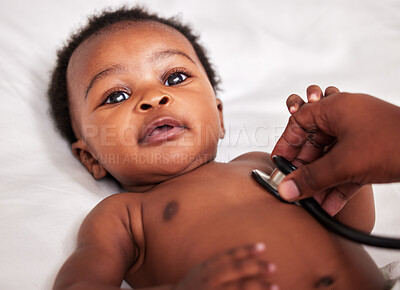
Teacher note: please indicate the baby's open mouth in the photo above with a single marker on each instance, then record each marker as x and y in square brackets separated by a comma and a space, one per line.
[161, 130]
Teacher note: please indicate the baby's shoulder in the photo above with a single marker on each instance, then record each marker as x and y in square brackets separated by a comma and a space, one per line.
[119, 203]
[116, 213]
[257, 159]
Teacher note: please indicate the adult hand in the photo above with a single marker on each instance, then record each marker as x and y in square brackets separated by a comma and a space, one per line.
[344, 141]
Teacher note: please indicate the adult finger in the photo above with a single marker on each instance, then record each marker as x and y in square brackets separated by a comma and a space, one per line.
[299, 145]
[313, 148]
[291, 140]
[333, 203]
[337, 198]
[308, 153]
[314, 93]
[312, 178]
[331, 91]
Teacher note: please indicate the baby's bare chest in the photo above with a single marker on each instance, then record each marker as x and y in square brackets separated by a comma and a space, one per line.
[198, 218]
[201, 197]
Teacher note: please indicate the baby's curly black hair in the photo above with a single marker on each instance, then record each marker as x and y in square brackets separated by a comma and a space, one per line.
[58, 90]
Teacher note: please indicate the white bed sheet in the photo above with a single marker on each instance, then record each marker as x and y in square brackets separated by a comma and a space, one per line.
[263, 50]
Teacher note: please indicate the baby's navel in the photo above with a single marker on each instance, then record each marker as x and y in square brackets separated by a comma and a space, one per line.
[170, 210]
[323, 282]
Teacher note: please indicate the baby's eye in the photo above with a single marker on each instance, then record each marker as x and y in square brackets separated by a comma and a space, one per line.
[116, 97]
[175, 78]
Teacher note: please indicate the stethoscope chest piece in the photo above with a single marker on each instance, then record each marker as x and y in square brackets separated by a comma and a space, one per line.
[272, 181]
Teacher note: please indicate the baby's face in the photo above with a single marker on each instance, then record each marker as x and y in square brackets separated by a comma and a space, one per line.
[141, 104]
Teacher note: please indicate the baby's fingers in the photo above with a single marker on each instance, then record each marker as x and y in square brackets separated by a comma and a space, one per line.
[254, 283]
[239, 263]
[293, 103]
[240, 252]
[241, 270]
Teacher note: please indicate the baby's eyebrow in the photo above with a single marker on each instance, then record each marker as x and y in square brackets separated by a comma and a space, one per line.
[116, 68]
[160, 55]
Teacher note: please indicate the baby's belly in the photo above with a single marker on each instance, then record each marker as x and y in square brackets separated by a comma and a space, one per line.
[307, 256]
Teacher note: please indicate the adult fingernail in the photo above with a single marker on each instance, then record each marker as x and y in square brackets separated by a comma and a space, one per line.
[313, 97]
[292, 109]
[288, 190]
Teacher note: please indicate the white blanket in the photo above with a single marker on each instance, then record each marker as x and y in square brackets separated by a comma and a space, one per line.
[263, 50]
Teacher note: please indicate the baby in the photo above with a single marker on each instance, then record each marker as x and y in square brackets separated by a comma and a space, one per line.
[135, 95]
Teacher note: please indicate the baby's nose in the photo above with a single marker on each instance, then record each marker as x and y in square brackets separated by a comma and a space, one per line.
[152, 103]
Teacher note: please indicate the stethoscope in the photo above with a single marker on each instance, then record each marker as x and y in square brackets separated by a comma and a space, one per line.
[283, 168]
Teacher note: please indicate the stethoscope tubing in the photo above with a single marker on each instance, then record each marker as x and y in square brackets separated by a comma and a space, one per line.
[314, 208]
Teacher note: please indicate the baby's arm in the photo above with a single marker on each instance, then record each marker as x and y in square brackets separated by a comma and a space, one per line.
[105, 249]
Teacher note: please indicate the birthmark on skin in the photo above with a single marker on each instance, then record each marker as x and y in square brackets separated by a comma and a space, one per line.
[325, 281]
[170, 210]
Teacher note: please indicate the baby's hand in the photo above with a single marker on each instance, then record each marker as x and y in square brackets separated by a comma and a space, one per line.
[238, 268]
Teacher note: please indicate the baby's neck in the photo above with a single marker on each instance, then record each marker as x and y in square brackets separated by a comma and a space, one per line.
[143, 188]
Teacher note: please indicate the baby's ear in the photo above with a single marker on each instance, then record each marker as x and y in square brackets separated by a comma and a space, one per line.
[221, 118]
[81, 151]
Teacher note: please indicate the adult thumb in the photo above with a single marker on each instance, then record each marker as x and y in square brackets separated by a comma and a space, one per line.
[309, 179]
